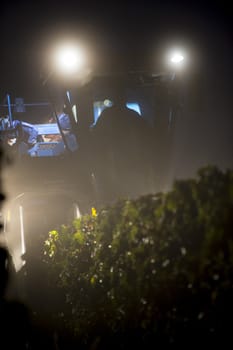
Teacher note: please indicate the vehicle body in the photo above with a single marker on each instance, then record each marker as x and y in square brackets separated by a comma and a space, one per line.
[39, 186]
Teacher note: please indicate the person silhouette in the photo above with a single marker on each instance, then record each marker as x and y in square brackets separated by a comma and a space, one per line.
[122, 150]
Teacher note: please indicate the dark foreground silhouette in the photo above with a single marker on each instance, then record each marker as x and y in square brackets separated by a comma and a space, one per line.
[16, 329]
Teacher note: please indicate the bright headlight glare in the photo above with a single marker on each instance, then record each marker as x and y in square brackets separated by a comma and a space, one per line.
[176, 57]
[69, 59]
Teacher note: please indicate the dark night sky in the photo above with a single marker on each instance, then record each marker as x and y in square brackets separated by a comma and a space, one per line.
[135, 35]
